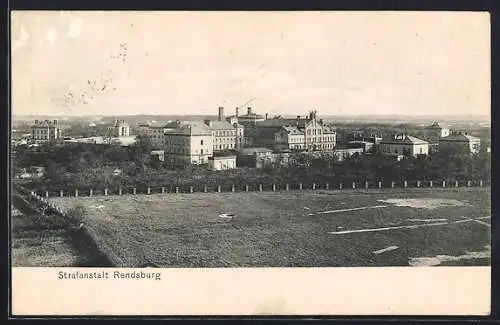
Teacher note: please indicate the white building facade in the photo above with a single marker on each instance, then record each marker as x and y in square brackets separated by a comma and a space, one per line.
[404, 145]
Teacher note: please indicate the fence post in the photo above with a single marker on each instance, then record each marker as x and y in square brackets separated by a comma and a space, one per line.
[367, 184]
[327, 186]
[233, 189]
[76, 192]
[340, 186]
[120, 191]
[287, 187]
[430, 183]
[469, 183]
[177, 189]
[393, 184]
[149, 190]
[106, 191]
[314, 186]
[418, 183]
[61, 193]
[91, 192]
[260, 187]
[444, 183]
[274, 187]
[218, 188]
[481, 183]
[205, 188]
[379, 184]
[300, 186]
[405, 184]
[353, 185]
[47, 194]
[135, 191]
[247, 188]
[456, 183]
[191, 190]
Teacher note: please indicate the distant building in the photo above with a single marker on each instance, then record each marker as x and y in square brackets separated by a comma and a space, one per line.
[187, 142]
[119, 129]
[341, 154]
[433, 133]
[249, 122]
[122, 141]
[159, 154]
[307, 133]
[405, 145]
[254, 157]
[460, 142]
[227, 135]
[222, 162]
[45, 131]
[365, 145]
[156, 134]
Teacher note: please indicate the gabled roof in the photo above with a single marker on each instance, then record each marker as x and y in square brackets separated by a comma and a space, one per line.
[251, 151]
[220, 125]
[187, 128]
[292, 130]
[460, 137]
[406, 139]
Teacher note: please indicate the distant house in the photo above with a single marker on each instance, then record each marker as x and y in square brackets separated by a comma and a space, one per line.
[404, 145]
[341, 154]
[365, 145]
[221, 162]
[159, 154]
[119, 129]
[254, 157]
[460, 142]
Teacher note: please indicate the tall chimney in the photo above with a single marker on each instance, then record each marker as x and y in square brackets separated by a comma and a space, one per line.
[55, 122]
[236, 112]
[266, 116]
[221, 113]
[249, 110]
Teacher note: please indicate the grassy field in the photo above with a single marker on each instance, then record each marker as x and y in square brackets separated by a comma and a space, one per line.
[301, 229]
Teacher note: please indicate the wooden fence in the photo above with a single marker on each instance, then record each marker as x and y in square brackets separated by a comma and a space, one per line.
[275, 187]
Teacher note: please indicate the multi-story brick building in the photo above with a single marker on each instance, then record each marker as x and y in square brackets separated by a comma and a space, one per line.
[154, 133]
[187, 142]
[45, 131]
[307, 133]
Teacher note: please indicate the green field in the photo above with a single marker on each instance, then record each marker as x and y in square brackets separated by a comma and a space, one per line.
[297, 228]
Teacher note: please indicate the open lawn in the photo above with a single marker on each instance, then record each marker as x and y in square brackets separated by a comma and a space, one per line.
[389, 227]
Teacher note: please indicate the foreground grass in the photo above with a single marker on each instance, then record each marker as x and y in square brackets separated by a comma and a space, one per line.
[276, 229]
[37, 242]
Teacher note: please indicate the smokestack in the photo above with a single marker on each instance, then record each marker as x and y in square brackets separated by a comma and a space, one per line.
[236, 112]
[55, 122]
[249, 110]
[266, 116]
[221, 113]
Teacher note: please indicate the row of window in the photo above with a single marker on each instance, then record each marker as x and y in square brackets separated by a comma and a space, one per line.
[225, 133]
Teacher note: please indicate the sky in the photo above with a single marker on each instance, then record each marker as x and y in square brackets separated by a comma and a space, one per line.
[339, 63]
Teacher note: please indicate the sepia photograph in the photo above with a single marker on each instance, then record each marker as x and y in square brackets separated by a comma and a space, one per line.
[148, 140]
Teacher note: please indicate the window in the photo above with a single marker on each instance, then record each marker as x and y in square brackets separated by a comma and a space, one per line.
[202, 149]
[201, 142]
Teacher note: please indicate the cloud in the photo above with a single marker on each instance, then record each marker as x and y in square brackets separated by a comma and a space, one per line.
[75, 28]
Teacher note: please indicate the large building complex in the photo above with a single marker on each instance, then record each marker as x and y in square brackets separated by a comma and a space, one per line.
[187, 142]
[45, 131]
[303, 133]
[433, 133]
[404, 145]
[249, 122]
